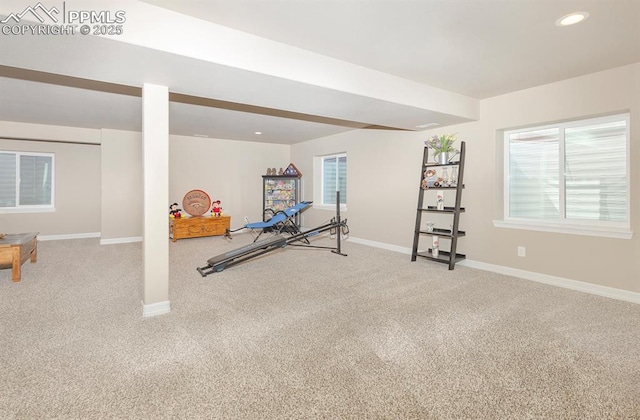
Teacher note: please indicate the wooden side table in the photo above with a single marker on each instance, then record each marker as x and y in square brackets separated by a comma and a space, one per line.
[15, 249]
[198, 226]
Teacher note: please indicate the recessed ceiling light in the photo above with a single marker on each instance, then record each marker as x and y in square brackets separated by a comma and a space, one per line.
[201, 135]
[572, 18]
[258, 132]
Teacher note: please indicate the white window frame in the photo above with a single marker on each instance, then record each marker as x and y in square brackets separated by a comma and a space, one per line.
[32, 208]
[611, 229]
[319, 199]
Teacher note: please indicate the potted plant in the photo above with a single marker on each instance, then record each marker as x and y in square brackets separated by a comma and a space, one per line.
[442, 147]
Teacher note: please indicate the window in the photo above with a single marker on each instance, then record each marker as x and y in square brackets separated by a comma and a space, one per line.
[571, 177]
[26, 181]
[334, 178]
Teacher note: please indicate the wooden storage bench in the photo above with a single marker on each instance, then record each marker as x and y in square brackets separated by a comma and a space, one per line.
[198, 226]
[15, 249]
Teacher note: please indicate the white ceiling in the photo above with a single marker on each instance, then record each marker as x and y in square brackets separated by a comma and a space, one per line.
[476, 48]
[479, 48]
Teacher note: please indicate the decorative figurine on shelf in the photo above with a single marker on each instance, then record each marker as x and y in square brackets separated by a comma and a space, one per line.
[174, 211]
[454, 177]
[431, 179]
[440, 201]
[430, 226]
[216, 210]
[435, 247]
[445, 178]
[281, 171]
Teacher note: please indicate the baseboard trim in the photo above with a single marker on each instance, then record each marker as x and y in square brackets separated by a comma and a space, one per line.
[580, 286]
[113, 241]
[155, 309]
[69, 236]
[375, 244]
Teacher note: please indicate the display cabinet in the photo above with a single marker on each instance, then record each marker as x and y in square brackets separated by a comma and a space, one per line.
[279, 192]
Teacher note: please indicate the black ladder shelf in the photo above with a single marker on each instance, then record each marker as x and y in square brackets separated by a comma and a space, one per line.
[450, 257]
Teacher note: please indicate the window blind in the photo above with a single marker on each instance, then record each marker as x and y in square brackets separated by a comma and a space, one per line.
[7, 180]
[35, 180]
[342, 179]
[534, 175]
[329, 177]
[26, 180]
[334, 178]
[575, 171]
[596, 170]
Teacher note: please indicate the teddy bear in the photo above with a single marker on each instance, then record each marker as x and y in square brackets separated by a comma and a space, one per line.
[431, 179]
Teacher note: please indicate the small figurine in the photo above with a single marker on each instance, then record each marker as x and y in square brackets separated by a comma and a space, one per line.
[435, 247]
[281, 171]
[216, 210]
[174, 211]
[439, 202]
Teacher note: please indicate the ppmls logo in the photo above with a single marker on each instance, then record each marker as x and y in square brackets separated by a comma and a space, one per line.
[85, 22]
[16, 17]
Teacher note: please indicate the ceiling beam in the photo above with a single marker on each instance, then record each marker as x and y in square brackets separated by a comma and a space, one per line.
[108, 87]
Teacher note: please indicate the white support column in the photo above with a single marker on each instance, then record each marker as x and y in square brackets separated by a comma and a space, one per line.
[155, 225]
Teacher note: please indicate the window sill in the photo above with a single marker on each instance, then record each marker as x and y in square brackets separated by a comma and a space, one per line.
[604, 231]
[343, 207]
[28, 210]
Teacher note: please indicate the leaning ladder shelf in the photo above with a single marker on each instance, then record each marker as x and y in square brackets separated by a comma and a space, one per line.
[450, 257]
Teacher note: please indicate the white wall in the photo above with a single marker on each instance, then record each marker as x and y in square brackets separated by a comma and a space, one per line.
[384, 171]
[99, 186]
[383, 175]
[603, 261]
[229, 171]
[77, 179]
[121, 185]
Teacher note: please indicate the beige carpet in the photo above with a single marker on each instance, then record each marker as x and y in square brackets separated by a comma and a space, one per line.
[304, 334]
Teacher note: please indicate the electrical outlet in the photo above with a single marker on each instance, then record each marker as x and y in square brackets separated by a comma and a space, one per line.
[521, 251]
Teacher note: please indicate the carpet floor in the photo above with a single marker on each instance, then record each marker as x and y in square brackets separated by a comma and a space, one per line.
[306, 334]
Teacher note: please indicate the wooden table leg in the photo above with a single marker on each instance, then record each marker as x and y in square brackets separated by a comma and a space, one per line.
[16, 263]
[34, 253]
